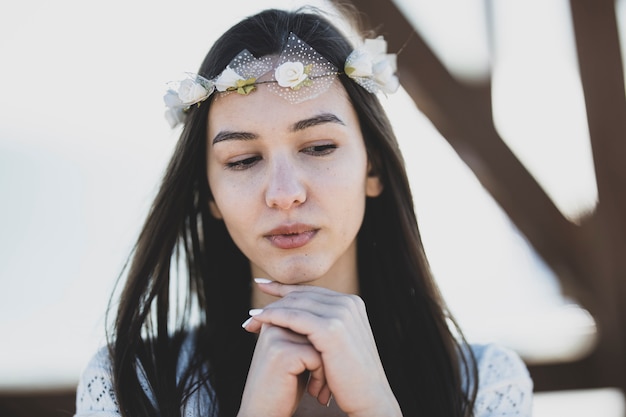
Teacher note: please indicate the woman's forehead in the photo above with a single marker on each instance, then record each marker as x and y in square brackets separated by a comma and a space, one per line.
[262, 109]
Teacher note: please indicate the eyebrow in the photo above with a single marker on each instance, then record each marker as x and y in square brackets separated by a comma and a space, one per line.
[315, 121]
[296, 127]
[228, 135]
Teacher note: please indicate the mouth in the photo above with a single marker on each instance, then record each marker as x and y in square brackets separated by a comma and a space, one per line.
[291, 236]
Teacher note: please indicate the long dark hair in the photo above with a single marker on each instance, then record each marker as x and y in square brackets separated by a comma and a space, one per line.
[181, 246]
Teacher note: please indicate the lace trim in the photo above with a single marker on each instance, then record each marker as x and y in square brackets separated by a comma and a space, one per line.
[95, 391]
[505, 387]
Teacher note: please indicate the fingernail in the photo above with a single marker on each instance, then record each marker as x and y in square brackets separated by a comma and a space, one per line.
[245, 323]
[255, 311]
[263, 281]
[329, 400]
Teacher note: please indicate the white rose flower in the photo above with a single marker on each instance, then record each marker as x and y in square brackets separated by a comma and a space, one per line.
[391, 85]
[372, 64]
[384, 74]
[191, 92]
[181, 95]
[174, 116]
[174, 113]
[359, 64]
[171, 99]
[227, 79]
[290, 74]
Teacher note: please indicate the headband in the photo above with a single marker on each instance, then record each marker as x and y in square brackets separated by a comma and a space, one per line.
[299, 73]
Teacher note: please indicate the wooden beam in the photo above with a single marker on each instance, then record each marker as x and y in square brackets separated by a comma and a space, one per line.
[602, 76]
[462, 113]
[590, 260]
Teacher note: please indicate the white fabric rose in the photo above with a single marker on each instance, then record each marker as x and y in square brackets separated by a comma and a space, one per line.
[372, 67]
[171, 99]
[227, 79]
[181, 95]
[290, 74]
[191, 92]
[359, 64]
[174, 116]
[174, 113]
[385, 74]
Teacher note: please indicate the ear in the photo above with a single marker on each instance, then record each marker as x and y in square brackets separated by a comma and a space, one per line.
[373, 186]
[215, 211]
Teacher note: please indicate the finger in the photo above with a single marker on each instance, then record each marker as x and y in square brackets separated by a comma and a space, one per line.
[275, 334]
[317, 381]
[254, 323]
[316, 305]
[325, 396]
[320, 301]
[290, 351]
[307, 315]
[246, 323]
[278, 289]
[251, 325]
[278, 373]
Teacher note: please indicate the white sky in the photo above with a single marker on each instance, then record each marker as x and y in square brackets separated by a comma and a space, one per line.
[83, 143]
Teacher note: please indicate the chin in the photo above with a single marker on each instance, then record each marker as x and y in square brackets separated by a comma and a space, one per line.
[296, 279]
[298, 276]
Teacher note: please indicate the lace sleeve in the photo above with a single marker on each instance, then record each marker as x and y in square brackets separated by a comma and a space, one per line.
[95, 396]
[504, 386]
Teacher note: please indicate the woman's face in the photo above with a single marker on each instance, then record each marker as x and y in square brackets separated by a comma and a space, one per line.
[290, 183]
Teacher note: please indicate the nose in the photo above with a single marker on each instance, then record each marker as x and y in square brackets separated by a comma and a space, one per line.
[285, 188]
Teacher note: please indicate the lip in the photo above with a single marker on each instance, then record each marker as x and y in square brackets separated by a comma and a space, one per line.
[291, 236]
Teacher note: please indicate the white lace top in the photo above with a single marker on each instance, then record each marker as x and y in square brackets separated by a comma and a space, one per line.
[505, 387]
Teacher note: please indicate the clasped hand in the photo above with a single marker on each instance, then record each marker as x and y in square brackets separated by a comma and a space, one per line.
[317, 340]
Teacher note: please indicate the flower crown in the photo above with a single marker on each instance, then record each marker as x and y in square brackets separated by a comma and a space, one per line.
[300, 73]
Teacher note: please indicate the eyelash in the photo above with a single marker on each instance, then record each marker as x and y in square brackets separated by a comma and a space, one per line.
[317, 150]
[243, 163]
[320, 150]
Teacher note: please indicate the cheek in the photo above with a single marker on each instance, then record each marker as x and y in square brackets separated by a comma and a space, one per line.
[344, 191]
[229, 198]
[235, 214]
[351, 175]
[235, 200]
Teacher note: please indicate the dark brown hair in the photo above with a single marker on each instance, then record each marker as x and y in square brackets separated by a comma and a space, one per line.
[429, 369]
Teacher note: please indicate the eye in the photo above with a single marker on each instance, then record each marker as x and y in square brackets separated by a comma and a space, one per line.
[242, 164]
[320, 150]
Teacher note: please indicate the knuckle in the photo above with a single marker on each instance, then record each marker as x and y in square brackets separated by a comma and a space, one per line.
[278, 345]
[292, 315]
[357, 301]
[357, 304]
[335, 326]
[291, 300]
[345, 313]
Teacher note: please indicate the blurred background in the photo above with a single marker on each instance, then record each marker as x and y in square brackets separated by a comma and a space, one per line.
[511, 118]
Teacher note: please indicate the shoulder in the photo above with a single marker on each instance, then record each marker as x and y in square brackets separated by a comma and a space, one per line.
[504, 384]
[497, 363]
[95, 394]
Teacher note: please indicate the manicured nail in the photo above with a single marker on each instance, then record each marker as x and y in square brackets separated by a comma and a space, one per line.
[255, 311]
[245, 323]
[263, 281]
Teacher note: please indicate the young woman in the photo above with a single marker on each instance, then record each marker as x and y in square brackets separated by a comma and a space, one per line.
[286, 207]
